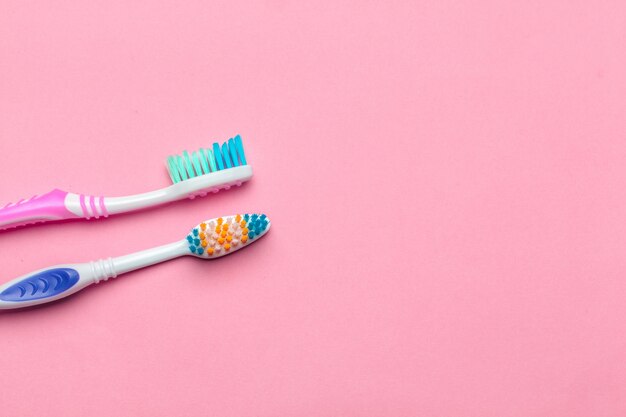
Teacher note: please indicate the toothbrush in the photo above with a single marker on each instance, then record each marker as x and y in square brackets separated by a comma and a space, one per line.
[209, 240]
[204, 171]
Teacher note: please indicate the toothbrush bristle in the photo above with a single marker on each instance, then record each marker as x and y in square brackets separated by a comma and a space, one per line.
[219, 237]
[205, 161]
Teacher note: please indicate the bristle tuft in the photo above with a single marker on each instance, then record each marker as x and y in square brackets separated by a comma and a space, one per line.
[205, 161]
[221, 236]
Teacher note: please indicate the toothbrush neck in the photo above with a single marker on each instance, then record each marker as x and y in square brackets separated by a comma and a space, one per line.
[137, 260]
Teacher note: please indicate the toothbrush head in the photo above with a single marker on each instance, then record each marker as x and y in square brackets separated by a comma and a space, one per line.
[218, 237]
[206, 161]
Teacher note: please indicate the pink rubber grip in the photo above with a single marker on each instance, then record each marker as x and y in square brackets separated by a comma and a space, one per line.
[47, 207]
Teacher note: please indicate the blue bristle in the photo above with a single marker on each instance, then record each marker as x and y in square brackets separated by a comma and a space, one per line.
[233, 152]
[218, 156]
[246, 217]
[254, 217]
[263, 217]
[192, 249]
[195, 232]
[196, 242]
[251, 235]
[189, 239]
[240, 152]
[226, 156]
[200, 251]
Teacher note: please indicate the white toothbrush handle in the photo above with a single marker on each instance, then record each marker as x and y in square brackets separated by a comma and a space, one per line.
[190, 188]
[61, 205]
[51, 284]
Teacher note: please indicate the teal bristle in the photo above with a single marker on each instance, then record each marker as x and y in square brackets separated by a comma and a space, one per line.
[205, 161]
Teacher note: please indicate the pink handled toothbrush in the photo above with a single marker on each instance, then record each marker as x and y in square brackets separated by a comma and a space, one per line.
[204, 171]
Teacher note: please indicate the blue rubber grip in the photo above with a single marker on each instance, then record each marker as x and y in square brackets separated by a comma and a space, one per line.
[42, 285]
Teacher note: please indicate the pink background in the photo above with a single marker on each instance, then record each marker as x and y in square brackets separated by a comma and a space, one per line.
[446, 182]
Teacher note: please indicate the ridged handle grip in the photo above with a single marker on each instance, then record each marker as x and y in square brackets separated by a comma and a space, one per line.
[46, 207]
[40, 287]
[53, 283]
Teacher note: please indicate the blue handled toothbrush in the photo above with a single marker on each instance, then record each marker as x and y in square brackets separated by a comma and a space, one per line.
[210, 239]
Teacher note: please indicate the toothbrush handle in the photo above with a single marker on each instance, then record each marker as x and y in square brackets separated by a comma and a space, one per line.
[56, 282]
[46, 207]
[51, 284]
[61, 205]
